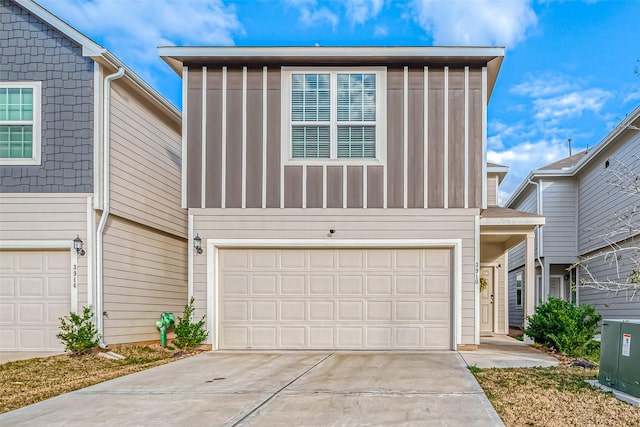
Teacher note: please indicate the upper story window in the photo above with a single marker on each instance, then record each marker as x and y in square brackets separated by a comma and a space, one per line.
[20, 123]
[334, 115]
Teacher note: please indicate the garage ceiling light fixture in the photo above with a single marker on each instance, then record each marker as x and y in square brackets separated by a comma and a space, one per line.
[197, 244]
[77, 245]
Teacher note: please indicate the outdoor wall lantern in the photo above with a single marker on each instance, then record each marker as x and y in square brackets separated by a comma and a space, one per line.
[197, 244]
[77, 245]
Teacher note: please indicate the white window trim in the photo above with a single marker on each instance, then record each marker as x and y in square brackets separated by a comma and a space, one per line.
[520, 273]
[36, 149]
[381, 116]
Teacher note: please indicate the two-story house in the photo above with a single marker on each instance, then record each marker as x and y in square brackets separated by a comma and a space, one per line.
[90, 210]
[338, 197]
[584, 203]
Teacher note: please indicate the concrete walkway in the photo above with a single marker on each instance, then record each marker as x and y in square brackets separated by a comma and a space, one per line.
[279, 389]
[501, 351]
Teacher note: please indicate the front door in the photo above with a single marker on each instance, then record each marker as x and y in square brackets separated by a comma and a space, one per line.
[486, 299]
[555, 287]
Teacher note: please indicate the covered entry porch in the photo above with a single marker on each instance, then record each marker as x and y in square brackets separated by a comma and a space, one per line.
[500, 230]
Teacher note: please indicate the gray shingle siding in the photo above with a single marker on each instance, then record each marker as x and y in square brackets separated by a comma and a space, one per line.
[33, 51]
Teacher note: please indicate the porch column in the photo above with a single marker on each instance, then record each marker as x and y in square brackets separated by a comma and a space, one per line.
[529, 281]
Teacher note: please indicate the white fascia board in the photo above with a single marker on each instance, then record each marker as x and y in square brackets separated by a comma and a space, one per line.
[513, 221]
[498, 169]
[89, 47]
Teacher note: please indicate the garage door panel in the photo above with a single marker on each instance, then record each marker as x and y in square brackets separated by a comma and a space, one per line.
[31, 313]
[29, 261]
[321, 311]
[57, 287]
[379, 259]
[379, 311]
[379, 284]
[437, 259]
[292, 285]
[321, 285]
[293, 311]
[7, 287]
[264, 285]
[56, 311]
[345, 299]
[236, 285]
[350, 259]
[31, 287]
[350, 285]
[8, 313]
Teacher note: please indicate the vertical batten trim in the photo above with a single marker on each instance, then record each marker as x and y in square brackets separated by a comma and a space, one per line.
[185, 80]
[223, 155]
[484, 137]
[264, 137]
[244, 138]
[304, 186]
[466, 137]
[344, 186]
[324, 186]
[446, 138]
[364, 186]
[189, 256]
[405, 137]
[384, 187]
[425, 136]
[203, 175]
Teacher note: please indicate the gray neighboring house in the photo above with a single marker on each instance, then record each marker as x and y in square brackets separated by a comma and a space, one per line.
[88, 150]
[580, 204]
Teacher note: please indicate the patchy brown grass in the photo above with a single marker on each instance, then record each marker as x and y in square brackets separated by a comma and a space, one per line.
[25, 382]
[556, 396]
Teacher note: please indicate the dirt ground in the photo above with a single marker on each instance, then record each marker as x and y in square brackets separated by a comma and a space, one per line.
[551, 397]
[25, 382]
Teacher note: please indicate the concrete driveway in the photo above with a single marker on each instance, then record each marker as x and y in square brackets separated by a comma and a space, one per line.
[279, 389]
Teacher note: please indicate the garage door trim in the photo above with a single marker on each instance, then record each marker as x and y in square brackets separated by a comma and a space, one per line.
[213, 246]
[51, 244]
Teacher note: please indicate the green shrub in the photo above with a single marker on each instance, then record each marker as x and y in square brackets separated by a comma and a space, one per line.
[561, 325]
[77, 332]
[189, 335]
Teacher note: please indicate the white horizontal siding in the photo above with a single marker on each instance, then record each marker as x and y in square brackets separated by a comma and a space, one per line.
[600, 203]
[355, 224]
[145, 274]
[145, 165]
[559, 231]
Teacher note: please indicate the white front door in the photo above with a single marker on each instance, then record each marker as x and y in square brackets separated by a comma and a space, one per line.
[556, 288]
[486, 300]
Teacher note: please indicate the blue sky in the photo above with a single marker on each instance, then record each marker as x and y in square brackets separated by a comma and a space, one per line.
[569, 70]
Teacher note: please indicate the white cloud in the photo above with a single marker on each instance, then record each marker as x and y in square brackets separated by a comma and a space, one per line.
[544, 85]
[477, 22]
[134, 29]
[359, 11]
[571, 104]
[311, 14]
[380, 31]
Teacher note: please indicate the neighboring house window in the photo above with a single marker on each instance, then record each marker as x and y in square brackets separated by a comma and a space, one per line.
[334, 115]
[20, 123]
[519, 286]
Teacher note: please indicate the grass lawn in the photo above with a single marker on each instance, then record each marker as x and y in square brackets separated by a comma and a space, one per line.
[556, 396]
[25, 382]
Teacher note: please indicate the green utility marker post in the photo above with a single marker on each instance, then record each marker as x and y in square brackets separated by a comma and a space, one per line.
[165, 322]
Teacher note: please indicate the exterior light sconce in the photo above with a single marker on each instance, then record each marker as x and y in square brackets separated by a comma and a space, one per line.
[77, 245]
[197, 244]
[331, 233]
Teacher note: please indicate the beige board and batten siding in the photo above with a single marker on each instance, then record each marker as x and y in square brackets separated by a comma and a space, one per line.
[145, 274]
[145, 161]
[40, 218]
[492, 190]
[350, 224]
[241, 141]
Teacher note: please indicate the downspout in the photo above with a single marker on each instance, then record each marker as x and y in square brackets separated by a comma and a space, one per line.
[106, 111]
[538, 211]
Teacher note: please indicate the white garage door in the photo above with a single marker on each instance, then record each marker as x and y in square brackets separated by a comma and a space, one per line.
[335, 298]
[34, 293]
